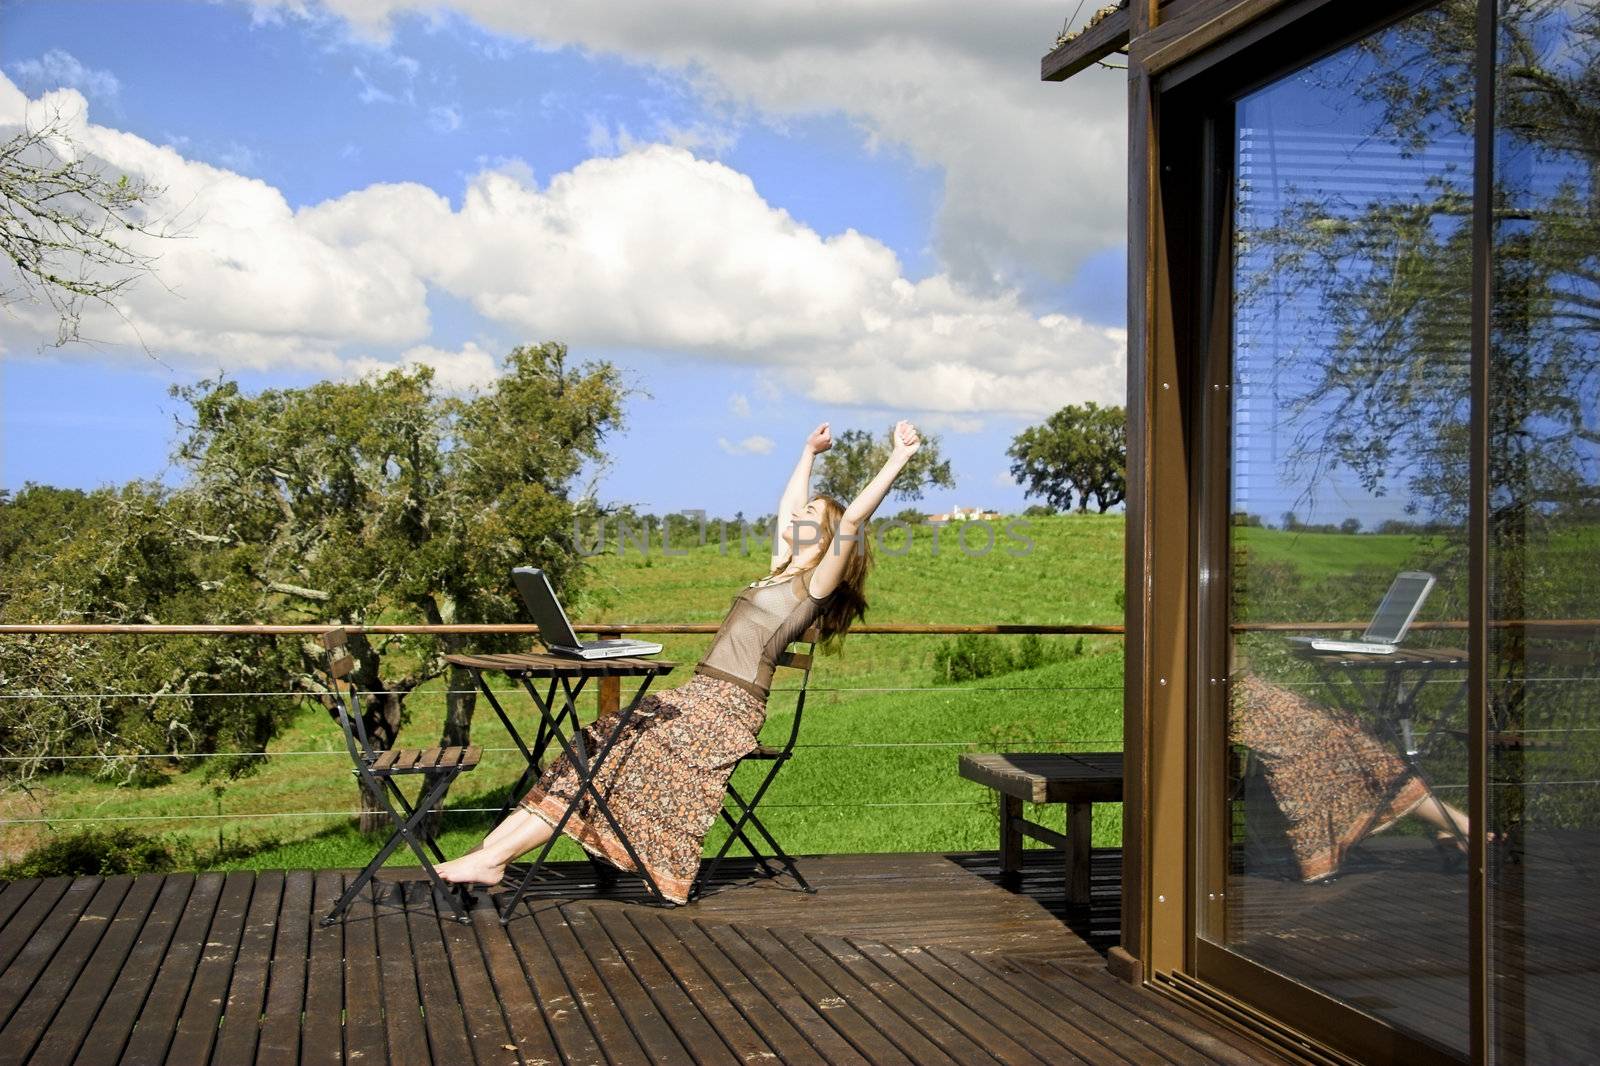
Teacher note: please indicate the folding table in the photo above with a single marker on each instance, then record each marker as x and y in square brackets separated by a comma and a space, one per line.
[569, 674]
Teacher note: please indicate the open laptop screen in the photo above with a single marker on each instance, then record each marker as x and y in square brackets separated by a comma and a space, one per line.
[1399, 607]
[540, 598]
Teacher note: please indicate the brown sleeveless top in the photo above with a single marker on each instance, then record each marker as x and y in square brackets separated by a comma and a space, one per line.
[761, 622]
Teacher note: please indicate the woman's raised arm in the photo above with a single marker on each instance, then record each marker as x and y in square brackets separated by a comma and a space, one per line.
[825, 577]
[796, 494]
[906, 443]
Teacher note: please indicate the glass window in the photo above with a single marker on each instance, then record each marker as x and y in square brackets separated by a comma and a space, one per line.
[1544, 536]
[1352, 258]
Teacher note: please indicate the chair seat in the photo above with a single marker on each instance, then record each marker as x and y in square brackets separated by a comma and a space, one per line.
[426, 760]
[765, 751]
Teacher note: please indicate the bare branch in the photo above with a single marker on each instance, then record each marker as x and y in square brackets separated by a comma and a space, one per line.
[72, 232]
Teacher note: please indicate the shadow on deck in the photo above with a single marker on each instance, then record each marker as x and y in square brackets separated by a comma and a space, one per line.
[897, 959]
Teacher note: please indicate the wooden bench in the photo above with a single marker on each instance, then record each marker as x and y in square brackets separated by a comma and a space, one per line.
[1079, 780]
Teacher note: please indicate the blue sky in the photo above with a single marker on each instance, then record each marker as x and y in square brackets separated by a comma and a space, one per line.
[901, 272]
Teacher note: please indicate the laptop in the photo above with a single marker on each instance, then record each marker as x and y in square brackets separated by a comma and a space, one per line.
[554, 629]
[1395, 615]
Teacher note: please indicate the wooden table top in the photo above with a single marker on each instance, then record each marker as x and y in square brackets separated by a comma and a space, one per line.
[545, 664]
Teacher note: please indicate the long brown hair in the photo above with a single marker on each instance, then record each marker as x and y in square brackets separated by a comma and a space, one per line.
[848, 601]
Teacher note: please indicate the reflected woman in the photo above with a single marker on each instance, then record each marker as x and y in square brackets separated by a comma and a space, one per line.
[665, 777]
[1334, 783]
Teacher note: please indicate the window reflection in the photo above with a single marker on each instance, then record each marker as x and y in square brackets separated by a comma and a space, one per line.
[1544, 536]
[1351, 352]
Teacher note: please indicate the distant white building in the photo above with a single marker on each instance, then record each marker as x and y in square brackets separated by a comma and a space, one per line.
[962, 514]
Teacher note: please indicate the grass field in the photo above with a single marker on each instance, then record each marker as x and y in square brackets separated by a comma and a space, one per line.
[876, 771]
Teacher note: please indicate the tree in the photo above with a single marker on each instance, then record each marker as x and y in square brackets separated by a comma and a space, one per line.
[1078, 449]
[381, 499]
[118, 556]
[856, 457]
[71, 233]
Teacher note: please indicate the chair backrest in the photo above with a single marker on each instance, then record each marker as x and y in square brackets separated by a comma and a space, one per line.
[802, 661]
[341, 664]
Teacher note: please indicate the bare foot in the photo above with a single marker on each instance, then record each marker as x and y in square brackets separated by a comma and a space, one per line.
[472, 868]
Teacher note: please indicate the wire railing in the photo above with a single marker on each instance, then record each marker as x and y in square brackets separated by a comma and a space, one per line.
[337, 752]
[334, 751]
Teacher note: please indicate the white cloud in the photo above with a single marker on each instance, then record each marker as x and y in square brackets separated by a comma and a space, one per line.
[57, 69]
[652, 250]
[752, 445]
[1034, 173]
[460, 371]
[656, 249]
[739, 404]
[247, 284]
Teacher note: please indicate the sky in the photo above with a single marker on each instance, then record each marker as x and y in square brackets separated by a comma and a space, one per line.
[768, 215]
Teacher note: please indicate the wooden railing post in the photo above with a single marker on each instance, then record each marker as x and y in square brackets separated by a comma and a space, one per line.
[610, 687]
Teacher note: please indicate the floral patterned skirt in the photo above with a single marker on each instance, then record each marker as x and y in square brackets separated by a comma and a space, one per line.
[1332, 780]
[663, 780]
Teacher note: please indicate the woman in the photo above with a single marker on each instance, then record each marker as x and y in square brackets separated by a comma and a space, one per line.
[665, 777]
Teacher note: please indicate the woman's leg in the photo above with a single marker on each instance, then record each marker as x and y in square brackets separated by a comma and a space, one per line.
[521, 831]
[1438, 813]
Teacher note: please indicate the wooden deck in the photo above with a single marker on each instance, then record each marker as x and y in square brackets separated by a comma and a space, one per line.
[897, 959]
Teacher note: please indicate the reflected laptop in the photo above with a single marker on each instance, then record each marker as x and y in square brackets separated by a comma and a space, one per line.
[556, 631]
[1395, 615]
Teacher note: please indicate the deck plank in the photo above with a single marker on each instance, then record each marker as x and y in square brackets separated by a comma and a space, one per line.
[903, 1001]
[728, 1021]
[441, 1005]
[401, 1001]
[576, 1042]
[530, 1034]
[31, 938]
[693, 1029]
[321, 1034]
[364, 1039]
[485, 1020]
[151, 900]
[1032, 1028]
[845, 1016]
[906, 1037]
[204, 1000]
[987, 1035]
[45, 993]
[279, 1040]
[15, 894]
[136, 1023]
[1040, 997]
[247, 989]
[631, 998]
[813, 1018]
[796, 1034]
[594, 999]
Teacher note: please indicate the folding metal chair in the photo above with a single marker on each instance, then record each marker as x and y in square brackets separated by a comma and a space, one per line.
[377, 769]
[774, 758]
